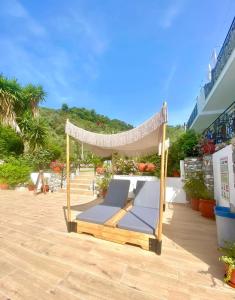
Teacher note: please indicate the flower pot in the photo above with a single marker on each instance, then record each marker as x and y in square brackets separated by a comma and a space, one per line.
[150, 167]
[206, 208]
[141, 167]
[176, 173]
[195, 203]
[231, 282]
[100, 170]
[103, 193]
[31, 187]
[4, 186]
[56, 169]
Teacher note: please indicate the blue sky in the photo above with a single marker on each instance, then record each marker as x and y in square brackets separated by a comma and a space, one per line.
[120, 57]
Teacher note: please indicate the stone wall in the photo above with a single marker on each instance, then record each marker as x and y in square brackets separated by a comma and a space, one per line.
[207, 168]
[192, 166]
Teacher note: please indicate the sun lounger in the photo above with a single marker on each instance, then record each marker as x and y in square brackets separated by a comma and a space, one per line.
[115, 199]
[143, 216]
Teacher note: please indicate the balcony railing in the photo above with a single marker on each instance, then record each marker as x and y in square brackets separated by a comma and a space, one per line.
[224, 54]
[192, 116]
[223, 128]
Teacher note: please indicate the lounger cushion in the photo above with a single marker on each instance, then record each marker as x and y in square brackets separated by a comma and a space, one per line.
[117, 193]
[98, 214]
[147, 194]
[140, 219]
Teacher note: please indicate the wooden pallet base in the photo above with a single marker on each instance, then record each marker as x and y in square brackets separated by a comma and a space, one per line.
[145, 241]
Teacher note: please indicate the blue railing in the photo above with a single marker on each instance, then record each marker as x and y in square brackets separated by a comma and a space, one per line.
[192, 116]
[224, 54]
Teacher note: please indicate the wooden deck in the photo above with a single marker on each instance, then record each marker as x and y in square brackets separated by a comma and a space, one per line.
[40, 260]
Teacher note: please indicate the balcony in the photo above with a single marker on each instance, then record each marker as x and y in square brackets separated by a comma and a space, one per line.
[224, 54]
[223, 128]
[192, 116]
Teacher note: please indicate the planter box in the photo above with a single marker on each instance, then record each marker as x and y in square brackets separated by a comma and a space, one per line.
[225, 223]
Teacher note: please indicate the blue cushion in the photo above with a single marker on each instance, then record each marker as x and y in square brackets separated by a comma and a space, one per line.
[115, 199]
[98, 214]
[140, 219]
[117, 193]
[147, 194]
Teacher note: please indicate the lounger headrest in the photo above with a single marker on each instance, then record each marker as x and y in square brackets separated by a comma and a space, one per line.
[117, 192]
[147, 194]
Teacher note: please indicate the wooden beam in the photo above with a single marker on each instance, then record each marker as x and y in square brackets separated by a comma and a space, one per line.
[158, 231]
[68, 179]
[166, 164]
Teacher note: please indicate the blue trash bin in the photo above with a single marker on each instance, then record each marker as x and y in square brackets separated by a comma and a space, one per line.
[225, 223]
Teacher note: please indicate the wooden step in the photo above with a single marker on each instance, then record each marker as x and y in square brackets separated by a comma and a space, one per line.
[82, 186]
[78, 192]
[82, 181]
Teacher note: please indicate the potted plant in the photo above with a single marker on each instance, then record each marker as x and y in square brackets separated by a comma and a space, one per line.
[31, 185]
[194, 187]
[56, 166]
[229, 260]
[207, 204]
[103, 184]
[3, 184]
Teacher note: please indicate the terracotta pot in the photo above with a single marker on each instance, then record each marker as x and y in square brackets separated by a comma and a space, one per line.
[141, 167]
[206, 208]
[100, 170]
[31, 187]
[103, 193]
[176, 173]
[195, 203]
[46, 188]
[56, 169]
[150, 167]
[4, 186]
[232, 279]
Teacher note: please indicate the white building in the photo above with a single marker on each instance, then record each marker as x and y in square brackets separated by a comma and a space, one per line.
[214, 112]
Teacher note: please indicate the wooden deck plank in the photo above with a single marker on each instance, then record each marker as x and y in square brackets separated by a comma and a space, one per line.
[40, 260]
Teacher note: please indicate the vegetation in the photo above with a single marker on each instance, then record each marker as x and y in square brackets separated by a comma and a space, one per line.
[185, 145]
[195, 187]
[228, 258]
[36, 136]
[14, 172]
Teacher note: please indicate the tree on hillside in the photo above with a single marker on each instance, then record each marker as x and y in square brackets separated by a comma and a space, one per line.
[65, 107]
[33, 96]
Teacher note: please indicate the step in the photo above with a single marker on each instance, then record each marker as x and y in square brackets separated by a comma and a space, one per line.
[82, 181]
[82, 186]
[78, 192]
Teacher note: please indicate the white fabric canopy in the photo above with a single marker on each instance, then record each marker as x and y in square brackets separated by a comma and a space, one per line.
[142, 140]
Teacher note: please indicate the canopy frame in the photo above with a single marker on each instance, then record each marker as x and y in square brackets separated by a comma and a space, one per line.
[163, 174]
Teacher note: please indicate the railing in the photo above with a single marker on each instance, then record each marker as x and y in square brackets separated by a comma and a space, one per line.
[223, 128]
[224, 54]
[192, 116]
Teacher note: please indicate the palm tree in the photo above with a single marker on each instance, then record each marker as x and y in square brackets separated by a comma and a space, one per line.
[33, 95]
[10, 101]
[33, 132]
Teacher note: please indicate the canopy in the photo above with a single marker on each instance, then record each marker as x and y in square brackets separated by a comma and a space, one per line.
[142, 140]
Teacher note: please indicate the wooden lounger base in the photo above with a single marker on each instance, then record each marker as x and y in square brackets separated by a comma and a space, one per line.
[145, 241]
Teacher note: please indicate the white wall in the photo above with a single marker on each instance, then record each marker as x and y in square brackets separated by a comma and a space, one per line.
[174, 187]
[225, 152]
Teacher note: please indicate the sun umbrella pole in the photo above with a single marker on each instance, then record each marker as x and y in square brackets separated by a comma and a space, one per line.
[68, 180]
[162, 188]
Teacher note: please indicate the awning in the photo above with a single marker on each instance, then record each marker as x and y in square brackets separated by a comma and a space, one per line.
[142, 140]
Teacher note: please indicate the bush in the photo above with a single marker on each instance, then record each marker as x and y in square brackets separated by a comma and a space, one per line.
[10, 143]
[196, 188]
[185, 146]
[14, 172]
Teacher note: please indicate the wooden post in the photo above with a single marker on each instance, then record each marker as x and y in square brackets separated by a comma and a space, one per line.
[68, 180]
[165, 178]
[158, 234]
[112, 162]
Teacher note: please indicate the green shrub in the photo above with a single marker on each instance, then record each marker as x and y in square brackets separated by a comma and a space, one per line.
[228, 258]
[14, 172]
[10, 143]
[195, 187]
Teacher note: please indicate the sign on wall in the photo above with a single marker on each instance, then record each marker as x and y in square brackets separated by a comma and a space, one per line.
[224, 173]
